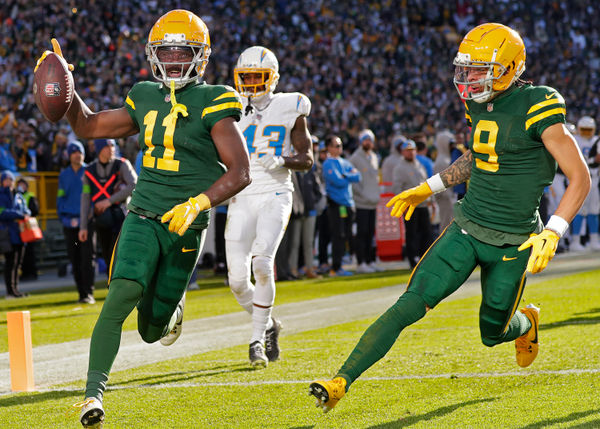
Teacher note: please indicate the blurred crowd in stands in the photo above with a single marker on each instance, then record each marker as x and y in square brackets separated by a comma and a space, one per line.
[385, 66]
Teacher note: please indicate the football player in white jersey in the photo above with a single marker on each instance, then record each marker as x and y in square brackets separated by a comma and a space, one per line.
[275, 129]
[588, 143]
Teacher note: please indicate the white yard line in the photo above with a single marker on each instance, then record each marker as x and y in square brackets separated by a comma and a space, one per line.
[67, 362]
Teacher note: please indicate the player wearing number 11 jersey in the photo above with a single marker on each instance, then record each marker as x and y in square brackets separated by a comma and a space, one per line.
[518, 135]
[193, 158]
[278, 141]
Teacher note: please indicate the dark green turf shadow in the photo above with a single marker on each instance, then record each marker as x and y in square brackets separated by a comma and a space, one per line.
[174, 377]
[573, 416]
[33, 398]
[411, 420]
[571, 321]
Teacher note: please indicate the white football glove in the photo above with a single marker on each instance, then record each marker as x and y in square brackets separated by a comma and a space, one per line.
[270, 162]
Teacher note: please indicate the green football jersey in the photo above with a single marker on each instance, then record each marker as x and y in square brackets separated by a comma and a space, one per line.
[179, 159]
[511, 166]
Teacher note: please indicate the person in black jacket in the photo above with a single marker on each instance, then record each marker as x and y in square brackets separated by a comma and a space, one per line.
[12, 208]
[107, 183]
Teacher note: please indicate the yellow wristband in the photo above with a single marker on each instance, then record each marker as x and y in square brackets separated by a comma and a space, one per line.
[201, 202]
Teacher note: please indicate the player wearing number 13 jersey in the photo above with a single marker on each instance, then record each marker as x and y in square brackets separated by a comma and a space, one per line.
[518, 136]
[193, 158]
[278, 141]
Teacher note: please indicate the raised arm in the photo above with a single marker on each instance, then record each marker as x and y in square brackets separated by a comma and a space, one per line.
[115, 123]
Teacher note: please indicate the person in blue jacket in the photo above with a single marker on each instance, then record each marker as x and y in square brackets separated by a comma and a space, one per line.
[339, 174]
[81, 253]
[12, 208]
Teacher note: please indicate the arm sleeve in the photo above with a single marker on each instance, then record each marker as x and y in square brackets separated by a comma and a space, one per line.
[129, 179]
[547, 107]
[225, 102]
[332, 173]
[130, 104]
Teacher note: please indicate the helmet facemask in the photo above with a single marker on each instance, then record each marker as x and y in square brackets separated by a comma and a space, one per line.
[255, 82]
[176, 55]
[479, 90]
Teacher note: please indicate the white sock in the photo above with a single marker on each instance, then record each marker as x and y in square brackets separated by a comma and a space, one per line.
[261, 317]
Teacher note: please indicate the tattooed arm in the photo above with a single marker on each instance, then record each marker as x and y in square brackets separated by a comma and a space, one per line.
[459, 171]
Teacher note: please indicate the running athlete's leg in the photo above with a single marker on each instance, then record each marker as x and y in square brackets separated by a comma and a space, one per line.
[239, 235]
[174, 268]
[122, 297]
[136, 250]
[502, 285]
[442, 270]
[270, 227]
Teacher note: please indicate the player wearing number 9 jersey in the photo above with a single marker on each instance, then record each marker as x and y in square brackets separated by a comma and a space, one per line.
[278, 141]
[518, 135]
[194, 157]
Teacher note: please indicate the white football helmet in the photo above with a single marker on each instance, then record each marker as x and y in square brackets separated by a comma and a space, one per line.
[586, 127]
[256, 59]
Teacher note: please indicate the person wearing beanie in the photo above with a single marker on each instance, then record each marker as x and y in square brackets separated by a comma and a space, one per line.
[68, 206]
[366, 198]
[108, 183]
[12, 208]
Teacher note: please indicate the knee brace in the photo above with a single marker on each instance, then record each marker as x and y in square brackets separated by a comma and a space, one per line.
[262, 267]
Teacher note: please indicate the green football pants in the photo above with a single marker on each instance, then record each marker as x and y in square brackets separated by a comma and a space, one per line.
[150, 269]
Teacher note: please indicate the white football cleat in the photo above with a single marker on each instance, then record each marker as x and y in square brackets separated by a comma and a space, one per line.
[172, 336]
[92, 413]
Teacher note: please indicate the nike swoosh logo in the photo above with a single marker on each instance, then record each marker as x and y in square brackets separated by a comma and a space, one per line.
[535, 340]
[549, 96]
[184, 250]
[504, 258]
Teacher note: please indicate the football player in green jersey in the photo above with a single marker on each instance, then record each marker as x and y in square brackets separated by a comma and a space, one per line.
[194, 158]
[518, 135]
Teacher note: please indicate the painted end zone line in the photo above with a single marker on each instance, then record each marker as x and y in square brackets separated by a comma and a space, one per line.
[574, 371]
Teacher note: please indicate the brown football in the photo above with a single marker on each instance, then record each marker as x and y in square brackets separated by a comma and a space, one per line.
[53, 87]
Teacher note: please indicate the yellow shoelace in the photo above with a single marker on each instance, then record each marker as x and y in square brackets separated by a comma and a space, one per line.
[176, 108]
[74, 409]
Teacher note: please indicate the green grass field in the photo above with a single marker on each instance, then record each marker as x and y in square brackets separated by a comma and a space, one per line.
[438, 374]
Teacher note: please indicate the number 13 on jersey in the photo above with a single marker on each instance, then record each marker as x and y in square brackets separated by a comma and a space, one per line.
[277, 137]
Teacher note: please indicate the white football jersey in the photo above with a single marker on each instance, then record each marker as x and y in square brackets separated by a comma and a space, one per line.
[268, 131]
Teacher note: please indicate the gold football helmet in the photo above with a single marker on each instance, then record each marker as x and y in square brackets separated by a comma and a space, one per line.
[178, 48]
[490, 58]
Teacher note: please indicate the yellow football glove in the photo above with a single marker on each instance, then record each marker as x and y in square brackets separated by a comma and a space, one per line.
[543, 246]
[409, 199]
[182, 215]
[57, 51]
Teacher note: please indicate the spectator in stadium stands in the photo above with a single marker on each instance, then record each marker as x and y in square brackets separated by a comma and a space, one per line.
[7, 161]
[366, 197]
[68, 206]
[457, 149]
[107, 183]
[391, 161]
[409, 173]
[322, 227]
[445, 200]
[423, 157]
[29, 266]
[339, 174]
[588, 143]
[303, 233]
[12, 209]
